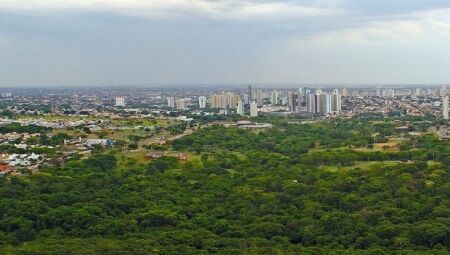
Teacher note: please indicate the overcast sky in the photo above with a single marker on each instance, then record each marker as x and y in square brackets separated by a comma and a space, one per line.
[152, 42]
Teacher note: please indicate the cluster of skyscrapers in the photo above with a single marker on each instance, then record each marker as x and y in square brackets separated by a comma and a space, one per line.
[302, 100]
[320, 102]
[305, 100]
[224, 100]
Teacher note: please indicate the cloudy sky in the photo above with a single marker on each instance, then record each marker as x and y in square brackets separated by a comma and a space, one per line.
[153, 42]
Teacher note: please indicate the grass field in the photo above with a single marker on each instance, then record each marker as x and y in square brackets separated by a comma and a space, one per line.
[139, 156]
[115, 134]
[367, 165]
[56, 117]
[371, 164]
[115, 121]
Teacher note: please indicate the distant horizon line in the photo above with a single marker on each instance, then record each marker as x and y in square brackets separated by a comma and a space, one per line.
[229, 85]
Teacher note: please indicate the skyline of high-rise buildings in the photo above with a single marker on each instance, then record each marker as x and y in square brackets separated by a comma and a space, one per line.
[301, 100]
[307, 100]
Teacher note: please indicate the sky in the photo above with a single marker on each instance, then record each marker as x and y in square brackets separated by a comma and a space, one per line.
[166, 42]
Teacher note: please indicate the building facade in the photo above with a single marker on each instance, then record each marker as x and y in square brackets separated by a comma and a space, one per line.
[181, 104]
[274, 97]
[240, 107]
[445, 100]
[170, 102]
[120, 101]
[324, 103]
[202, 102]
[253, 109]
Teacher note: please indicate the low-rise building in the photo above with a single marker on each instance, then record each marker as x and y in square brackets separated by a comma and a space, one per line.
[101, 142]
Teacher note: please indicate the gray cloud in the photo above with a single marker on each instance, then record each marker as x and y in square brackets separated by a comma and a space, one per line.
[71, 42]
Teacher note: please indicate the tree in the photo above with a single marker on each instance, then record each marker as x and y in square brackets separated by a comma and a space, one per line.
[430, 233]
[102, 162]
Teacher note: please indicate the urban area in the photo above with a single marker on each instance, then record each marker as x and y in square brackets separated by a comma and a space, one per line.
[225, 170]
[48, 126]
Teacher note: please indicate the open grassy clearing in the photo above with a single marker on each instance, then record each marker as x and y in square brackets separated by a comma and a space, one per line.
[366, 165]
[139, 156]
[58, 117]
[372, 164]
[115, 121]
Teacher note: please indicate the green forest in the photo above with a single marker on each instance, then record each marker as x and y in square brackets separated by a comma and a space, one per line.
[317, 188]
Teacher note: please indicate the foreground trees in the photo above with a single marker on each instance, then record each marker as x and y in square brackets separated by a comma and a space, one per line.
[247, 193]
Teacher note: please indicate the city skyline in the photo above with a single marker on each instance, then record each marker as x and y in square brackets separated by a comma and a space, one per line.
[225, 127]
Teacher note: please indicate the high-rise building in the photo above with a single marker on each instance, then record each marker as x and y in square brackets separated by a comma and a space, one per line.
[389, 93]
[202, 102]
[181, 104]
[232, 100]
[284, 100]
[306, 91]
[320, 102]
[336, 102]
[300, 98]
[326, 102]
[323, 102]
[445, 107]
[344, 92]
[253, 109]
[311, 103]
[250, 93]
[259, 98]
[170, 102]
[418, 92]
[120, 101]
[240, 107]
[246, 99]
[224, 100]
[443, 90]
[274, 97]
[214, 100]
[378, 93]
[292, 101]
[219, 101]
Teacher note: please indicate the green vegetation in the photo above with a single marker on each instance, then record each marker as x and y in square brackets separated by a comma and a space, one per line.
[16, 127]
[296, 189]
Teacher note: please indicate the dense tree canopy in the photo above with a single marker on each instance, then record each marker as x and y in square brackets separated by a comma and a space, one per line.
[247, 192]
[17, 127]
